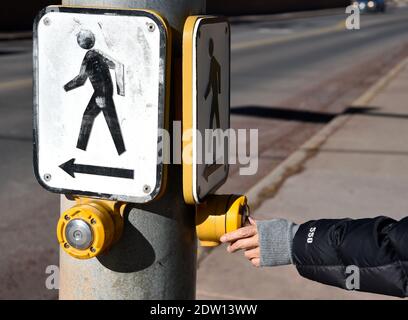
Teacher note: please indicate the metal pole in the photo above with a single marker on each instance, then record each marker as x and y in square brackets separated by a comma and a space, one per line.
[156, 256]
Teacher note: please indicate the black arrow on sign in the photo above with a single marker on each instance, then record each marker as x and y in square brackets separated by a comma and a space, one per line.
[71, 168]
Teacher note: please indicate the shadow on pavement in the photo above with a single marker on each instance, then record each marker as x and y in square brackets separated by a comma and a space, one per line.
[307, 116]
[284, 114]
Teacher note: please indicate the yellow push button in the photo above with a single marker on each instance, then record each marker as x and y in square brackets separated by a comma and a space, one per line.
[90, 227]
[219, 215]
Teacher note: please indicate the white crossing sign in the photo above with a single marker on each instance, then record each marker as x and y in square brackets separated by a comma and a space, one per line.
[206, 105]
[100, 102]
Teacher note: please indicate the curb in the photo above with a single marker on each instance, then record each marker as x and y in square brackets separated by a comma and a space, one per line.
[268, 187]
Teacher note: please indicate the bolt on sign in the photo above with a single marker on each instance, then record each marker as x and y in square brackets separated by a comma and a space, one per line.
[206, 106]
[101, 90]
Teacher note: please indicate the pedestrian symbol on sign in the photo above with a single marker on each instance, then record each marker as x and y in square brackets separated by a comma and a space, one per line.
[206, 106]
[214, 86]
[95, 66]
[103, 138]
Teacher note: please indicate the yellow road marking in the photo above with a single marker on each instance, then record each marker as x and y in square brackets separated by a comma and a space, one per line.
[16, 84]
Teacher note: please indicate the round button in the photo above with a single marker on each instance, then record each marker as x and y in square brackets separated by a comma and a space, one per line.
[79, 234]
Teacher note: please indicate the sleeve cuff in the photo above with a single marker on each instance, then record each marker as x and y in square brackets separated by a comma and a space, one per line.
[276, 239]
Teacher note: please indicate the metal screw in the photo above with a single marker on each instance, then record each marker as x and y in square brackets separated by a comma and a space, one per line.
[151, 27]
[93, 249]
[47, 21]
[146, 189]
[67, 217]
[47, 177]
[66, 245]
[93, 221]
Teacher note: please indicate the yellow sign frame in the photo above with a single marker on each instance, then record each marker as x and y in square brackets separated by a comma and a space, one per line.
[188, 102]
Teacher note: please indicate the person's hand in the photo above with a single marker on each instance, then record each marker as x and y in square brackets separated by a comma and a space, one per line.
[246, 239]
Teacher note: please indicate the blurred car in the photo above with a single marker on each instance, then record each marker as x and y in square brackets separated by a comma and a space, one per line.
[370, 5]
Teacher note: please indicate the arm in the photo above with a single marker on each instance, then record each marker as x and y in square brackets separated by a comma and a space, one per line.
[323, 250]
[208, 89]
[219, 78]
[79, 80]
[120, 78]
[378, 247]
[119, 72]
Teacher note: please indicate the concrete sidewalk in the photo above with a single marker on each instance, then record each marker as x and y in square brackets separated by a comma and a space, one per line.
[360, 171]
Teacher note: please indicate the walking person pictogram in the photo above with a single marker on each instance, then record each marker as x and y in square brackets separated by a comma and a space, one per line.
[96, 66]
[214, 86]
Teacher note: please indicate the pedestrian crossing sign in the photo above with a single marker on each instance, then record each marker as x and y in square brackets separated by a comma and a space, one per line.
[206, 106]
[101, 91]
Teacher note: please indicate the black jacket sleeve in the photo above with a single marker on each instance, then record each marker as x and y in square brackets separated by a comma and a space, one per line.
[369, 255]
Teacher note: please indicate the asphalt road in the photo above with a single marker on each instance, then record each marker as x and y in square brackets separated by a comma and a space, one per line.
[289, 77]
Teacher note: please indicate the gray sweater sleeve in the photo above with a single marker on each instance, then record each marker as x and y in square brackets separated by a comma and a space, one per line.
[276, 239]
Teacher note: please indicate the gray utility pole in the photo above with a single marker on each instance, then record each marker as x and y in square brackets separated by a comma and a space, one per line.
[156, 256]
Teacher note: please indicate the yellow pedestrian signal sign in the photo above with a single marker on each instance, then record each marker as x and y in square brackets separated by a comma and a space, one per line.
[206, 106]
